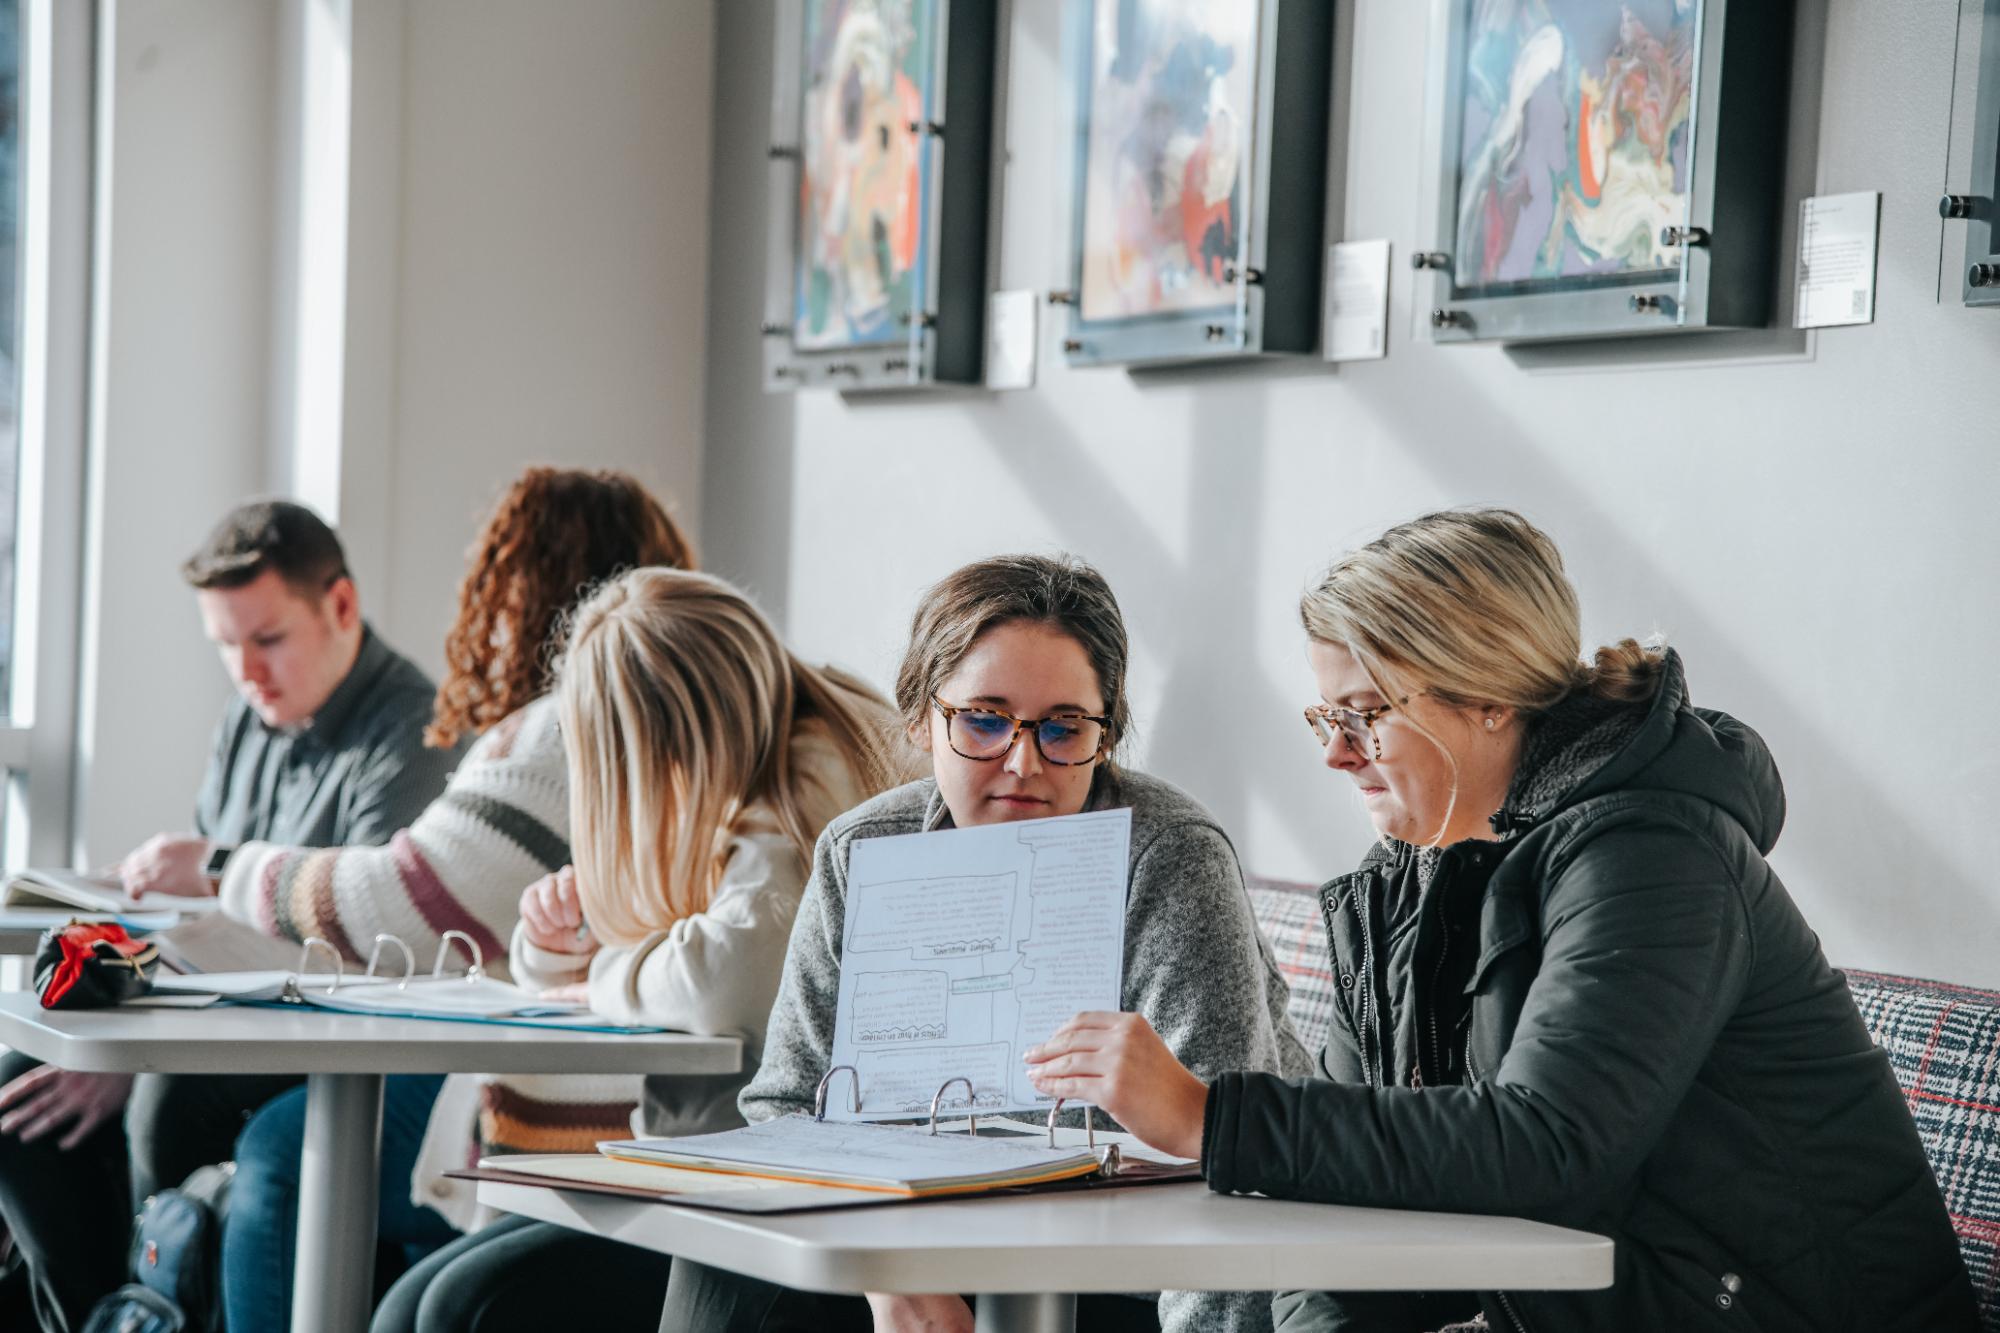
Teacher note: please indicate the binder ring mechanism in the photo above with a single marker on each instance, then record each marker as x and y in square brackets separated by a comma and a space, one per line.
[971, 1105]
[853, 1085]
[409, 959]
[1107, 1156]
[465, 942]
[294, 991]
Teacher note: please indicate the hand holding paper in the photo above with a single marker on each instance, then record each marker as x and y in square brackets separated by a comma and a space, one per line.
[1117, 1062]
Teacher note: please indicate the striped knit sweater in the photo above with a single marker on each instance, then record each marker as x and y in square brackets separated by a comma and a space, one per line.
[501, 824]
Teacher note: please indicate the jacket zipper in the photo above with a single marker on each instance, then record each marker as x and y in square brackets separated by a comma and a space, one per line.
[1367, 979]
[1507, 1308]
[1437, 1051]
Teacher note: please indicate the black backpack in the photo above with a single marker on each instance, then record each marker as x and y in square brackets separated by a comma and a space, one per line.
[176, 1282]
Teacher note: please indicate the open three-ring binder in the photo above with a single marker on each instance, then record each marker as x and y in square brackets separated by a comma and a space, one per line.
[805, 1161]
[468, 996]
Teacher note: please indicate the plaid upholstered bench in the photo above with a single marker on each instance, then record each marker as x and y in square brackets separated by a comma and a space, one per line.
[1942, 1040]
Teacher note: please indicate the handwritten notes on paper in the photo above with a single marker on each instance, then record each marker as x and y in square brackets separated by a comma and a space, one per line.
[964, 947]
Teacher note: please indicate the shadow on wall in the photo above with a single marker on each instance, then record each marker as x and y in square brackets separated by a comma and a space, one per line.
[1504, 459]
[1181, 608]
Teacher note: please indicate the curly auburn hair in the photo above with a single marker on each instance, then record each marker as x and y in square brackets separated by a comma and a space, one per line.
[555, 535]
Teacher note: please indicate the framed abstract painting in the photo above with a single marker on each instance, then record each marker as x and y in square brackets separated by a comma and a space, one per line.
[881, 149]
[1603, 167]
[1199, 182]
[1978, 208]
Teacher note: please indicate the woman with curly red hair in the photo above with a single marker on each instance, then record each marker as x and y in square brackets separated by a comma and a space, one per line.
[501, 824]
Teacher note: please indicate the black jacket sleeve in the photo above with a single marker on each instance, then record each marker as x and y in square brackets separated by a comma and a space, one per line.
[1645, 951]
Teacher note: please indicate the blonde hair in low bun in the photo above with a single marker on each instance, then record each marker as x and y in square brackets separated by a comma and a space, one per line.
[1627, 671]
[1469, 606]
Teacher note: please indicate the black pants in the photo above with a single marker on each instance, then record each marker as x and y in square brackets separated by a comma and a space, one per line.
[521, 1276]
[713, 1300]
[71, 1212]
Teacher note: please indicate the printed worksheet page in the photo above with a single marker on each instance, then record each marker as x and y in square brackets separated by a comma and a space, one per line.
[964, 947]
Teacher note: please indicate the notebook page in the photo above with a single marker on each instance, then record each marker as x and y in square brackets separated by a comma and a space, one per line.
[962, 948]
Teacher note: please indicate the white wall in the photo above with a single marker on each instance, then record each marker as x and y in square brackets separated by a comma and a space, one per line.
[553, 261]
[526, 270]
[178, 424]
[1808, 519]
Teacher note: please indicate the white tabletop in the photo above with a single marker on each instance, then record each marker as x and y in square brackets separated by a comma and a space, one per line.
[242, 1039]
[1179, 1237]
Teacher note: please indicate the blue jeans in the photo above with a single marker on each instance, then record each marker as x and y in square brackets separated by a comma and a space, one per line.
[260, 1236]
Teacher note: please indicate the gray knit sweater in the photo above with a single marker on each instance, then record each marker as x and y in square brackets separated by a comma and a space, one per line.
[1195, 966]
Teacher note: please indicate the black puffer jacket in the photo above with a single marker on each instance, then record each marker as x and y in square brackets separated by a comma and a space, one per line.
[1619, 1022]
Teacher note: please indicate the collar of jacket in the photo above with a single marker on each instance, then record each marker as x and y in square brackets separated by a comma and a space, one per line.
[1584, 746]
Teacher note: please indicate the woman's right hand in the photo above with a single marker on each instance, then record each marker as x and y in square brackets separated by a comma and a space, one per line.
[552, 915]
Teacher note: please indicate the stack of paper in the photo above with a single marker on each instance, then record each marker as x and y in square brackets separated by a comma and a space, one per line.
[895, 1159]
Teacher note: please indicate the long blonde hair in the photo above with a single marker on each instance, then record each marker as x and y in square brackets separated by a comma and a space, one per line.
[680, 709]
[1470, 606]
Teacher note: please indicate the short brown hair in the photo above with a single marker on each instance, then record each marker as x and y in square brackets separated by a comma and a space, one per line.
[555, 535]
[269, 535]
[1059, 591]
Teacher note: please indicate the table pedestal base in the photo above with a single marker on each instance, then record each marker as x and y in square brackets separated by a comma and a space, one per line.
[338, 1188]
[1040, 1313]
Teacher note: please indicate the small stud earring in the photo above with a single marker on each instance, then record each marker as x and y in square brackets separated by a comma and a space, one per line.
[1489, 724]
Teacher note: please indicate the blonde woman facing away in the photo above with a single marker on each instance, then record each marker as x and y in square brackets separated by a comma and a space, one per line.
[1571, 987]
[704, 758]
[1014, 680]
[501, 824]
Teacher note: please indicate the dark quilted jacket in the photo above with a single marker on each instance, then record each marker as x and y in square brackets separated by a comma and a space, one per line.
[1620, 1023]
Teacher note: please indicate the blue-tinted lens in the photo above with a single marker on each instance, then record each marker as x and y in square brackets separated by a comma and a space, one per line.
[1068, 740]
[978, 733]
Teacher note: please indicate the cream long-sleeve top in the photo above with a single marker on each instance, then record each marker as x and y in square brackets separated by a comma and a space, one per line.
[714, 973]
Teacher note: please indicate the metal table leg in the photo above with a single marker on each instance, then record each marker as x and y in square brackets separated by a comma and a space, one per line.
[1040, 1313]
[338, 1175]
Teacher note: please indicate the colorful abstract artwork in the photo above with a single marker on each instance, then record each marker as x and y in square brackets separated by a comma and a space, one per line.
[1573, 138]
[1169, 107]
[861, 187]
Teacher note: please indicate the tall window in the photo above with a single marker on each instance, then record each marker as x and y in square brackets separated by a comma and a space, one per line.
[47, 91]
[10, 331]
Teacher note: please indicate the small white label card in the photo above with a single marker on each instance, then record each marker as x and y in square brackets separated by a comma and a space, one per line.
[1837, 245]
[1357, 301]
[1011, 323]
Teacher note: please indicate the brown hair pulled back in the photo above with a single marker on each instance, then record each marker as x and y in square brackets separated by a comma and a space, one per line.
[1059, 591]
[556, 534]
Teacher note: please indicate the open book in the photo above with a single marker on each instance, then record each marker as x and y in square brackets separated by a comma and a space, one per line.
[91, 893]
